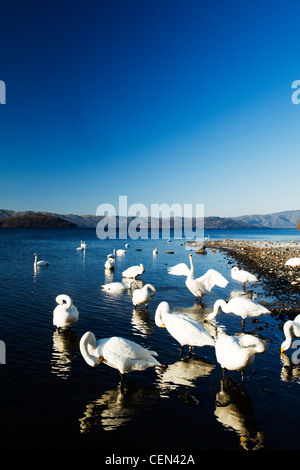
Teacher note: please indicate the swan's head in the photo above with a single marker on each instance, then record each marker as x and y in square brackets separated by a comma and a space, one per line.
[163, 307]
[233, 270]
[287, 329]
[190, 255]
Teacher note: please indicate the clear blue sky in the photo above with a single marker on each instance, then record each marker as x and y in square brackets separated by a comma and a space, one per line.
[182, 101]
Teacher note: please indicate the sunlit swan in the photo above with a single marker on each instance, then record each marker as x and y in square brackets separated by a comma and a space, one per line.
[39, 263]
[127, 245]
[155, 251]
[118, 353]
[186, 331]
[109, 263]
[237, 352]
[293, 262]
[202, 285]
[120, 252]
[240, 306]
[242, 276]
[114, 287]
[142, 296]
[291, 329]
[134, 271]
[65, 314]
[83, 245]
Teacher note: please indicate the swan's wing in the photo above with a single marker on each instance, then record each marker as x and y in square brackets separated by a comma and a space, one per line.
[180, 269]
[212, 278]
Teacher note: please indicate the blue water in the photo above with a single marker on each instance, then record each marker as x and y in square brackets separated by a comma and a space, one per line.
[50, 399]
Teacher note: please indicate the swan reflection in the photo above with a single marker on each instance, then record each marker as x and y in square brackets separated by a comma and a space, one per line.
[183, 372]
[65, 344]
[116, 408]
[289, 372]
[234, 411]
[142, 325]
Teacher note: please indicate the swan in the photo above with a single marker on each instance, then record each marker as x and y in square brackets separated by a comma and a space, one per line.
[116, 352]
[202, 285]
[186, 331]
[242, 275]
[120, 252]
[109, 263]
[127, 245]
[142, 296]
[114, 287]
[83, 245]
[291, 330]
[65, 313]
[134, 271]
[239, 306]
[293, 262]
[155, 251]
[237, 352]
[39, 263]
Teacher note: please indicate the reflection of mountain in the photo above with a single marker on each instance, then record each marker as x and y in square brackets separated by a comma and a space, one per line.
[115, 408]
[65, 344]
[183, 372]
[234, 410]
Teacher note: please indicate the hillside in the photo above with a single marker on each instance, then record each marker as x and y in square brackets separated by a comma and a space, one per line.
[35, 220]
[286, 219]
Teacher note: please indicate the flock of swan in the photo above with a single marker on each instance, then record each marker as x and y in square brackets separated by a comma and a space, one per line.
[234, 353]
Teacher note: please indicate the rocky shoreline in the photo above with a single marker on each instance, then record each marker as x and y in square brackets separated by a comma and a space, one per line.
[267, 261]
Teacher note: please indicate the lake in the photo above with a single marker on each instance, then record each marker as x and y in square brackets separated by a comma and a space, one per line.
[52, 400]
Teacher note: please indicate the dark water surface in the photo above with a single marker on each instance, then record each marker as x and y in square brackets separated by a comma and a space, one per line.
[51, 399]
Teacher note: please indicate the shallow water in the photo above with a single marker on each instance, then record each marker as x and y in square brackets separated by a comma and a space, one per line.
[51, 399]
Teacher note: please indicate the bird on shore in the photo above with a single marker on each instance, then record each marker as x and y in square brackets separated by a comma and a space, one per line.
[65, 313]
[202, 285]
[237, 352]
[186, 331]
[116, 352]
[293, 262]
[240, 306]
[37, 263]
[242, 276]
[142, 296]
[291, 329]
[134, 271]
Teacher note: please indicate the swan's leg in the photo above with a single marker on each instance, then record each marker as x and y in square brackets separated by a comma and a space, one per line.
[243, 325]
[122, 382]
[181, 352]
[191, 350]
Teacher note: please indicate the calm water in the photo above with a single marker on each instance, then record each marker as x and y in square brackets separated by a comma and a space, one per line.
[51, 399]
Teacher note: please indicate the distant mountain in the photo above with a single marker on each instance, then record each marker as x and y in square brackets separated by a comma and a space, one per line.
[35, 220]
[287, 219]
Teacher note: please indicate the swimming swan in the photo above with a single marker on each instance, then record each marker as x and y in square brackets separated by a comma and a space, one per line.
[291, 330]
[142, 296]
[39, 263]
[109, 263]
[238, 306]
[65, 314]
[237, 352]
[242, 276]
[118, 353]
[186, 331]
[114, 287]
[134, 271]
[202, 285]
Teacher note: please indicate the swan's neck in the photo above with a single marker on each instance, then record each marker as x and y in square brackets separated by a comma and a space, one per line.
[191, 274]
[220, 304]
[161, 311]
[289, 331]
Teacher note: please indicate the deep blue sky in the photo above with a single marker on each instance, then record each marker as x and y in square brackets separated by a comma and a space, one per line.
[182, 101]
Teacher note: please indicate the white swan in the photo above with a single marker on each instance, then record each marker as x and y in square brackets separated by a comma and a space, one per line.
[293, 262]
[114, 287]
[39, 263]
[109, 263]
[120, 252]
[118, 353]
[142, 296]
[291, 330]
[242, 276]
[202, 285]
[83, 245]
[238, 306]
[65, 314]
[186, 331]
[155, 251]
[237, 352]
[134, 271]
